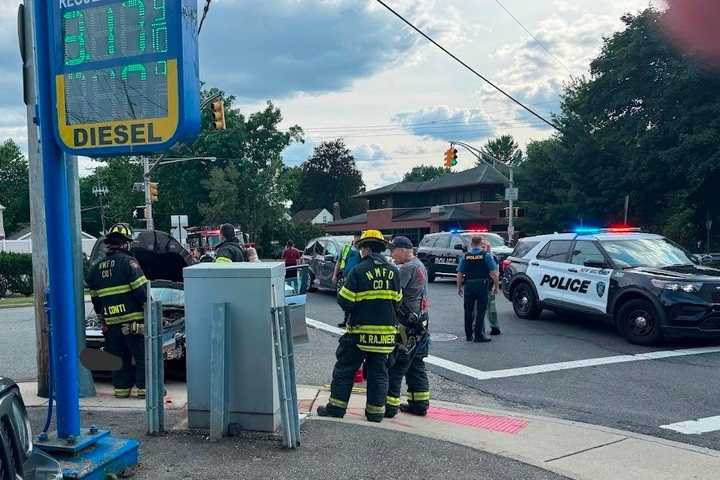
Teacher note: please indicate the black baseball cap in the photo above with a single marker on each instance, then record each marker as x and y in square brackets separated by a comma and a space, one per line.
[401, 242]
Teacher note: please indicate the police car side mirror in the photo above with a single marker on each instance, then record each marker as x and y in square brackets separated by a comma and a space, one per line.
[459, 247]
[595, 264]
[706, 259]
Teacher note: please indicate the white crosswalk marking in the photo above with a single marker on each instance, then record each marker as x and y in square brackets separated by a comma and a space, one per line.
[695, 427]
[543, 368]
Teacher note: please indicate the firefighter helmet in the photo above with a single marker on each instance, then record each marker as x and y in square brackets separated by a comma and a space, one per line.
[371, 236]
[122, 231]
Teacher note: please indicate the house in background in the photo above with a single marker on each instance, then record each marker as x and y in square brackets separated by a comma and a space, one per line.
[21, 242]
[470, 199]
[319, 216]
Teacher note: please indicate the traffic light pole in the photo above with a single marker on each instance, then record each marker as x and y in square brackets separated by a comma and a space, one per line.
[511, 180]
[148, 200]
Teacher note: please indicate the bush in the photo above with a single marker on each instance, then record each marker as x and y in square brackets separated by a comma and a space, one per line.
[16, 273]
[283, 231]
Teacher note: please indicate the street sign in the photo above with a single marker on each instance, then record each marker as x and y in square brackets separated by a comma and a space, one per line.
[125, 74]
[511, 194]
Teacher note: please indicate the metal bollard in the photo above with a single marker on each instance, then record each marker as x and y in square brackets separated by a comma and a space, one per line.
[154, 369]
[284, 365]
[219, 415]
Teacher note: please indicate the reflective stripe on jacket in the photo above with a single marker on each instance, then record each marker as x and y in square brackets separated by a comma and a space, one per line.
[118, 287]
[371, 294]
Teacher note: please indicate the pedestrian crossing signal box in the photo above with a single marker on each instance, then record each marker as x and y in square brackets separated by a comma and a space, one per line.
[124, 74]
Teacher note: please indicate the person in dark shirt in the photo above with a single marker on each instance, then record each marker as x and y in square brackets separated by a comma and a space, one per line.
[475, 271]
[230, 249]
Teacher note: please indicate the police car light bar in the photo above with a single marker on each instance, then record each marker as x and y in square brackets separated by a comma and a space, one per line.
[472, 230]
[615, 229]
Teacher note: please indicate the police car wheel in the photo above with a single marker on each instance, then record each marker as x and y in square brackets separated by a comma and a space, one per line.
[431, 273]
[638, 321]
[524, 302]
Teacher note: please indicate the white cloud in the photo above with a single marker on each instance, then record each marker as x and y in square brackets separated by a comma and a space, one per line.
[279, 48]
[446, 123]
[370, 154]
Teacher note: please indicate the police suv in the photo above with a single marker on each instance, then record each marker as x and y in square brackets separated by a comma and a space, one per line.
[647, 285]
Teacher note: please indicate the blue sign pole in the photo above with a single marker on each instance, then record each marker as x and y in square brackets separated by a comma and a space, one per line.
[57, 221]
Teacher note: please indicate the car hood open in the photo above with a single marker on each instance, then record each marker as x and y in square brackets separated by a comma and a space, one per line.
[160, 255]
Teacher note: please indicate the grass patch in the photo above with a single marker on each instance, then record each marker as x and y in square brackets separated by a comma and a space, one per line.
[10, 302]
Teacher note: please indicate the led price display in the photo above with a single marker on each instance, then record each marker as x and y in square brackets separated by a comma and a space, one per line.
[107, 32]
[118, 71]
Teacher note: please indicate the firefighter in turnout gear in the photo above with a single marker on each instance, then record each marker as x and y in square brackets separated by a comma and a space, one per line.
[230, 249]
[413, 340]
[118, 291]
[372, 295]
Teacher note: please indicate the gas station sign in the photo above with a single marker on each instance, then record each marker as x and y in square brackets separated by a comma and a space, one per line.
[125, 74]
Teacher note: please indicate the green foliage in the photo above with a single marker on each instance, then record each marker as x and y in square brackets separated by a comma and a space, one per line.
[274, 237]
[646, 123]
[422, 173]
[330, 175]
[14, 189]
[246, 185]
[16, 273]
[504, 149]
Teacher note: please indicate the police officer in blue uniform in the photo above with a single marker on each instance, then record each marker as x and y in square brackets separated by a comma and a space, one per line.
[475, 272]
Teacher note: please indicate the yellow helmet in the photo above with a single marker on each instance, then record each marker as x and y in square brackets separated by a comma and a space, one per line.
[122, 230]
[369, 236]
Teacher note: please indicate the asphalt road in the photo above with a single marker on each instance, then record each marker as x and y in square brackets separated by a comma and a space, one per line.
[639, 396]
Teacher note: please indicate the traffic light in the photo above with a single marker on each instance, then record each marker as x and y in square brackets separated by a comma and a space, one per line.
[451, 157]
[138, 212]
[217, 109]
[153, 191]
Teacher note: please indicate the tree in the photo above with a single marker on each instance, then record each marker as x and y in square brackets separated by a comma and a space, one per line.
[644, 124]
[330, 175]
[242, 186]
[14, 188]
[423, 173]
[503, 148]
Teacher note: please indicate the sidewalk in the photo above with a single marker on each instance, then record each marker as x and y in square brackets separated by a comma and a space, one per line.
[570, 449]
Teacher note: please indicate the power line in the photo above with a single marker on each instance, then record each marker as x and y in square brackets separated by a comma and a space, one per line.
[454, 57]
[533, 36]
[441, 122]
[205, 12]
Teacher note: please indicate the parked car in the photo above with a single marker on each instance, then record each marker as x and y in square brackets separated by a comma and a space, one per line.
[441, 252]
[321, 255]
[162, 259]
[646, 285]
[18, 459]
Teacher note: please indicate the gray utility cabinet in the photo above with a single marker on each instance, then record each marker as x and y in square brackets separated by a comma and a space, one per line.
[249, 290]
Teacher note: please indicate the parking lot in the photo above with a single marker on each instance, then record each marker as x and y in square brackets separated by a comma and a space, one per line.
[570, 367]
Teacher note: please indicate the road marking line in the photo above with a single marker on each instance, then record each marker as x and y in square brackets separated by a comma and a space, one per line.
[536, 369]
[695, 427]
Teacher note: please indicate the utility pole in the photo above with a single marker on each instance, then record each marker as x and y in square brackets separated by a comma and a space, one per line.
[511, 211]
[148, 200]
[627, 206]
[37, 208]
[100, 191]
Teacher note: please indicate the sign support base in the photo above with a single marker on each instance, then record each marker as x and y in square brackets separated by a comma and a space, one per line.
[94, 455]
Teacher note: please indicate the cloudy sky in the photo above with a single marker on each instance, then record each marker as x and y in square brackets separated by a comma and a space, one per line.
[348, 68]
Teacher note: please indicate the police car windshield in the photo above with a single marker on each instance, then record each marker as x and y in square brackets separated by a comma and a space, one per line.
[493, 239]
[637, 252]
